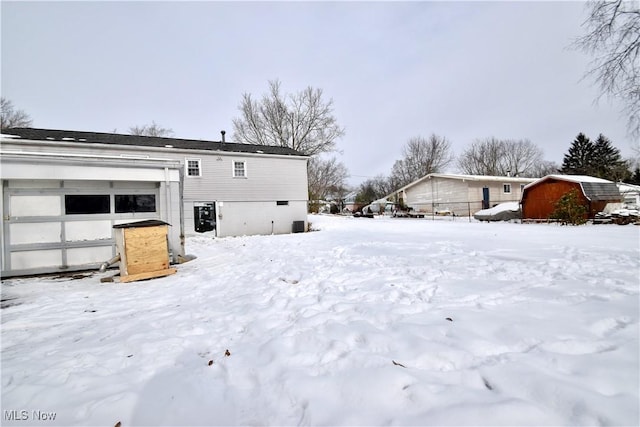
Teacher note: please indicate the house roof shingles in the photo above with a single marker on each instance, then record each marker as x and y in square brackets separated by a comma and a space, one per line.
[143, 141]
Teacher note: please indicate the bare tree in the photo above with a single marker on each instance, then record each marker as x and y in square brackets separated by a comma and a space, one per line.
[544, 168]
[12, 118]
[613, 39]
[372, 189]
[151, 130]
[302, 121]
[521, 157]
[325, 177]
[497, 157]
[382, 185]
[421, 156]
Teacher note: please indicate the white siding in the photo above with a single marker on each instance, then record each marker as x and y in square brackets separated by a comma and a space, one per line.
[264, 218]
[268, 178]
[438, 194]
[458, 195]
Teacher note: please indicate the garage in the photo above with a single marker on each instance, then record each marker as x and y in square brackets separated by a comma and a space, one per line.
[58, 210]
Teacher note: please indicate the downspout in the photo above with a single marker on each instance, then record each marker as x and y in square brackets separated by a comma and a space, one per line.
[106, 264]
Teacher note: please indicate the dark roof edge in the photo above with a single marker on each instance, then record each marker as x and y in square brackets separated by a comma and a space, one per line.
[40, 134]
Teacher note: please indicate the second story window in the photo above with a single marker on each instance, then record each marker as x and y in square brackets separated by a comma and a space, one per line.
[239, 169]
[194, 167]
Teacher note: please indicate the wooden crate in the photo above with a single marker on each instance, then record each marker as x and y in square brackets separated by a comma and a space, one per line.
[144, 250]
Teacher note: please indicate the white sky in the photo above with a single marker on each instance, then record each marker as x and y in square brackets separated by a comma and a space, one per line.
[463, 70]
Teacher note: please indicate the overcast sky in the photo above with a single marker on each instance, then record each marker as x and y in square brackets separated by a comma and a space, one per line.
[394, 70]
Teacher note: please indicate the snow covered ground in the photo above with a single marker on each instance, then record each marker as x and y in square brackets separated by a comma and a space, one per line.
[366, 322]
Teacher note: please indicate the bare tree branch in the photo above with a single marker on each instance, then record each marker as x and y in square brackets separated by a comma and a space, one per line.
[12, 118]
[613, 38]
[151, 130]
[421, 156]
[302, 121]
[325, 177]
[497, 157]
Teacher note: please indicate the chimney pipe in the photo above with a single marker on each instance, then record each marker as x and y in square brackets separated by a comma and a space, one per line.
[223, 132]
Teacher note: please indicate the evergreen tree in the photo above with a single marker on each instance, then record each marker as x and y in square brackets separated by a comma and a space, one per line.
[635, 177]
[595, 158]
[606, 161]
[569, 209]
[578, 160]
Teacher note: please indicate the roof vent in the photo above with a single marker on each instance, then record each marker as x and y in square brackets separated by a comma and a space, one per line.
[223, 132]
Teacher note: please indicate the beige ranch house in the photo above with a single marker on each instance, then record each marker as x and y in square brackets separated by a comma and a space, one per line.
[63, 191]
[460, 195]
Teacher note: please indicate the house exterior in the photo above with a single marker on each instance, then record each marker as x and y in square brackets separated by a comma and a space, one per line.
[76, 185]
[630, 194]
[350, 204]
[540, 197]
[58, 209]
[460, 195]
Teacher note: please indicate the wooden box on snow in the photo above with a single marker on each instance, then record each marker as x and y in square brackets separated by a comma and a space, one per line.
[144, 250]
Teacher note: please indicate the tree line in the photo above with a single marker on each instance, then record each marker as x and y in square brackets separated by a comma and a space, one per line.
[305, 122]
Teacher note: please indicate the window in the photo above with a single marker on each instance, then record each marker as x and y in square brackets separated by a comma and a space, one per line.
[521, 187]
[506, 188]
[78, 204]
[239, 169]
[282, 203]
[135, 203]
[193, 167]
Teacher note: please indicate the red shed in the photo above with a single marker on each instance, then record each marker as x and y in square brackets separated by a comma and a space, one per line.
[540, 197]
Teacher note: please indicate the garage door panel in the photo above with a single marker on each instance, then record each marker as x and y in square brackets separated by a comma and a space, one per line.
[41, 232]
[80, 256]
[34, 205]
[36, 259]
[76, 231]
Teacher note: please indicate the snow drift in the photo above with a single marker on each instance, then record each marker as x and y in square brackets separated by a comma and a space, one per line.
[380, 322]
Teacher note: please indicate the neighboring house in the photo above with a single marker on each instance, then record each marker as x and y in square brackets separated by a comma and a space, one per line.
[460, 195]
[350, 204]
[630, 194]
[76, 185]
[540, 197]
[380, 207]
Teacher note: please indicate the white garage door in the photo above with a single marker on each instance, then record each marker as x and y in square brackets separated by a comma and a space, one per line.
[52, 225]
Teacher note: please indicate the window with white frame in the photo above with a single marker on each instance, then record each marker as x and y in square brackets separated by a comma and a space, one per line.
[194, 167]
[521, 187]
[506, 188]
[239, 169]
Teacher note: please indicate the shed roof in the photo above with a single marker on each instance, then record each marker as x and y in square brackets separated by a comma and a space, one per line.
[595, 189]
[142, 141]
